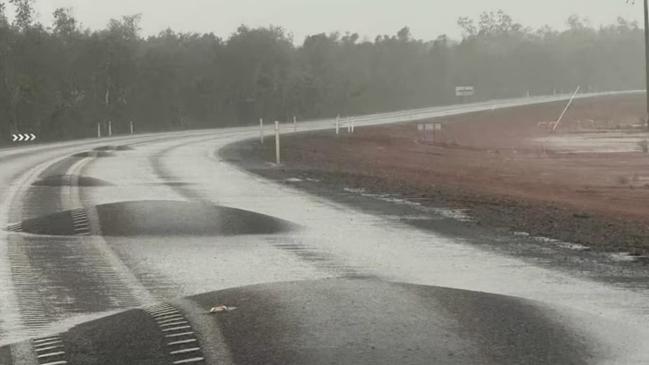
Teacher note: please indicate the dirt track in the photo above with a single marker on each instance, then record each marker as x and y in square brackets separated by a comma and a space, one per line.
[501, 166]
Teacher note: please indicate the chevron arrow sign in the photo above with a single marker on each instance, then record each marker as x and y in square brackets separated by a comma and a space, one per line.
[23, 137]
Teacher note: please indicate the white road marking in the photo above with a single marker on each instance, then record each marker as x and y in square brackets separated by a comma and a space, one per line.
[184, 351]
[188, 361]
[12, 321]
[39, 349]
[181, 342]
[188, 333]
[71, 200]
[48, 344]
[175, 352]
[50, 354]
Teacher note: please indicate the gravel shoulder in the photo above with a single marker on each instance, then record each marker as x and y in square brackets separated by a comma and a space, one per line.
[495, 167]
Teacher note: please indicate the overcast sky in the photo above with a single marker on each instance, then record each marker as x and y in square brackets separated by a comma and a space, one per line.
[426, 18]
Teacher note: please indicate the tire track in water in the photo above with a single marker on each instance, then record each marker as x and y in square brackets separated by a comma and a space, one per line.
[15, 264]
[175, 182]
[295, 246]
[57, 277]
[12, 323]
[323, 261]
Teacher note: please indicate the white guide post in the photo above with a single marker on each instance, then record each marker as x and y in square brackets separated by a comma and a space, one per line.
[338, 125]
[294, 123]
[277, 157]
[556, 124]
[132, 128]
[261, 130]
[99, 130]
[110, 128]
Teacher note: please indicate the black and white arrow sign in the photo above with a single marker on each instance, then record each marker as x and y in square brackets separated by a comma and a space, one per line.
[23, 137]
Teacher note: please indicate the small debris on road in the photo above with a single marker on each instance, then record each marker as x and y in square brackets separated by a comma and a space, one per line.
[222, 308]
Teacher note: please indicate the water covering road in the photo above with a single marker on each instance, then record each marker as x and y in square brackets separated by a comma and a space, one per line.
[51, 281]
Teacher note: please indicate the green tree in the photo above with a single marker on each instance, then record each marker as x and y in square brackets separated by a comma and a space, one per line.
[61, 80]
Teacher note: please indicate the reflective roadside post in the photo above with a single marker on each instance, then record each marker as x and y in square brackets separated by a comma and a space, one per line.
[338, 125]
[646, 53]
[110, 128]
[132, 128]
[277, 157]
[99, 130]
[294, 124]
[645, 12]
[261, 130]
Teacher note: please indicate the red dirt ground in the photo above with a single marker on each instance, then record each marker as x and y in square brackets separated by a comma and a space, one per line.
[492, 163]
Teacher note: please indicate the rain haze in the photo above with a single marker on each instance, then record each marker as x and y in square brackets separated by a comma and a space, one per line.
[370, 182]
[427, 19]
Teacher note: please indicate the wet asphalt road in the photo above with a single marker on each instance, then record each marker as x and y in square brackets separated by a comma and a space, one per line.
[93, 234]
[336, 321]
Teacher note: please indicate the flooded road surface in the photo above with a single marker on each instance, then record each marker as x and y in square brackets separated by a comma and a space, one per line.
[113, 234]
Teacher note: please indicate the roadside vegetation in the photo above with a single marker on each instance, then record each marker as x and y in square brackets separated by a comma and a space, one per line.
[59, 80]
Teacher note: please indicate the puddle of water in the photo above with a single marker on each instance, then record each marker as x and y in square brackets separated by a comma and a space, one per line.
[456, 214]
[563, 244]
[93, 154]
[158, 218]
[70, 180]
[172, 218]
[627, 257]
[378, 246]
[201, 264]
[605, 142]
[410, 217]
[114, 148]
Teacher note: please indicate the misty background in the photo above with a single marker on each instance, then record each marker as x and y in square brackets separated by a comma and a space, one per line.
[59, 78]
[426, 18]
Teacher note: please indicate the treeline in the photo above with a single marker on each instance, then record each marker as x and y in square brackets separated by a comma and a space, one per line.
[60, 80]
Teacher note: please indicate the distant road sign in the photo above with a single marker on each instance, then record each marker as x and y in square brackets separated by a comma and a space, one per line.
[23, 137]
[425, 127]
[464, 91]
